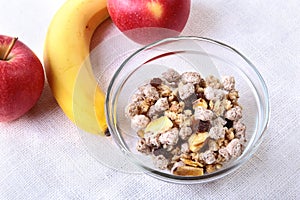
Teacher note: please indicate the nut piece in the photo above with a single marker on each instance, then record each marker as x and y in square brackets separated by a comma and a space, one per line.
[187, 121]
[132, 109]
[160, 162]
[152, 113]
[196, 141]
[143, 147]
[234, 148]
[210, 168]
[176, 151]
[209, 93]
[161, 104]
[164, 90]
[149, 92]
[200, 102]
[195, 156]
[234, 113]
[177, 107]
[144, 106]
[239, 126]
[169, 137]
[240, 130]
[139, 122]
[229, 134]
[188, 171]
[141, 133]
[212, 145]
[224, 153]
[185, 132]
[188, 113]
[137, 97]
[203, 114]
[213, 93]
[219, 121]
[191, 163]
[151, 139]
[219, 107]
[185, 90]
[191, 77]
[220, 142]
[208, 157]
[218, 166]
[171, 115]
[228, 82]
[233, 95]
[173, 96]
[171, 75]
[227, 104]
[159, 125]
[185, 148]
[177, 164]
[213, 82]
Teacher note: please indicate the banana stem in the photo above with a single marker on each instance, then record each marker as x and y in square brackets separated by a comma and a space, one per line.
[11, 45]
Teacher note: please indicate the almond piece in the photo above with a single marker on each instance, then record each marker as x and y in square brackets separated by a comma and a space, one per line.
[188, 171]
[159, 125]
[196, 141]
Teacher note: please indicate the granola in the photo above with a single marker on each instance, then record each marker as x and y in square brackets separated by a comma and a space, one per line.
[191, 125]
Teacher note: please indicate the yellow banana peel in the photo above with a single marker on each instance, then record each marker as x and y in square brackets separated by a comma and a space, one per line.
[68, 69]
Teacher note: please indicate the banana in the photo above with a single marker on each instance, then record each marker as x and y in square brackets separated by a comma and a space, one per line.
[69, 72]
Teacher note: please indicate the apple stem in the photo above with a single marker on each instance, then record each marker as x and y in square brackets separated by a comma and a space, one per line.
[11, 45]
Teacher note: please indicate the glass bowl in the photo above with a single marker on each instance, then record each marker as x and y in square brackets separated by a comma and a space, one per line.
[203, 55]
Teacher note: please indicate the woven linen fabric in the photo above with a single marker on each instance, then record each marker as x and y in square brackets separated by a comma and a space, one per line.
[42, 155]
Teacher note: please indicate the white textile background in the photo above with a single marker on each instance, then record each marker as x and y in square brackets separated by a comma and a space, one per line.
[42, 156]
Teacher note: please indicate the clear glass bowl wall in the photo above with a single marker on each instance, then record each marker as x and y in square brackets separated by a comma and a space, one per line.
[206, 56]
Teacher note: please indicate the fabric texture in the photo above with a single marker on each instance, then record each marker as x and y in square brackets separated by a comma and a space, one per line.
[42, 156]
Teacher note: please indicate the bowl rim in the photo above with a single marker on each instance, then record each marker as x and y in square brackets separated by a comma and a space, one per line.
[206, 177]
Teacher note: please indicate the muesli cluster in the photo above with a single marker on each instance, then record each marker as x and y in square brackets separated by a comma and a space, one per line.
[188, 124]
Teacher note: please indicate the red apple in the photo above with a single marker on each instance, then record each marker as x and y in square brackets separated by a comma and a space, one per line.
[145, 21]
[21, 79]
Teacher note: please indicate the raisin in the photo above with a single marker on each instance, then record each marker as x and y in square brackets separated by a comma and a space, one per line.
[229, 123]
[170, 166]
[155, 82]
[200, 95]
[203, 126]
[189, 101]
[202, 83]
